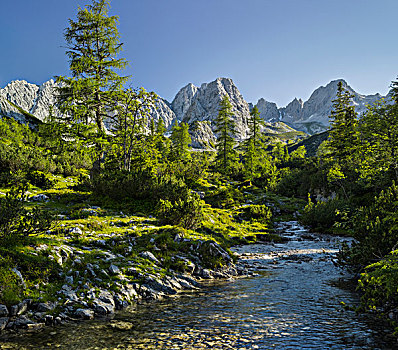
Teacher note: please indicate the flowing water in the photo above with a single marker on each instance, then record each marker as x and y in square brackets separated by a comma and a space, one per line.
[293, 303]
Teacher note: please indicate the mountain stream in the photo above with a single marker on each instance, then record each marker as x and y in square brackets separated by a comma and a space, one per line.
[292, 303]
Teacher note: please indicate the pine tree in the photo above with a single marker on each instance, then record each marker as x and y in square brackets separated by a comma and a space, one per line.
[92, 48]
[225, 130]
[379, 134]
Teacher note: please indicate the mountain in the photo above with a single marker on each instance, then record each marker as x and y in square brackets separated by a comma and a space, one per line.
[312, 116]
[198, 106]
[27, 102]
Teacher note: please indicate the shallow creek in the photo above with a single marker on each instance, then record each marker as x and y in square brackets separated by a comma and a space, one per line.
[293, 303]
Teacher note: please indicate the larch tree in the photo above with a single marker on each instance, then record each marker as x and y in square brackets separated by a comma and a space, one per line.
[93, 45]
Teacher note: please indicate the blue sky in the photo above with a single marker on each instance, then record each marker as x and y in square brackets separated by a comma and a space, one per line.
[277, 49]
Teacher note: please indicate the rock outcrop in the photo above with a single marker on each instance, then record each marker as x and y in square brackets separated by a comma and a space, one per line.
[163, 111]
[183, 100]
[268, 110]
[23, 101]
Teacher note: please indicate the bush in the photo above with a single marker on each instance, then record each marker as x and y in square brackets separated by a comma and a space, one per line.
[379, 284]
[375, 229]
[10, 286]
[122, 185]
[324, 216]
[225, 197]
[40, 179]
[186, 212]
[259, 213]
[16, 221]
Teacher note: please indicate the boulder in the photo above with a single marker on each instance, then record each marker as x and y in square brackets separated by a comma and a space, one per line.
[3, 323]
[148, 255]
[3, 310]
[85, 314]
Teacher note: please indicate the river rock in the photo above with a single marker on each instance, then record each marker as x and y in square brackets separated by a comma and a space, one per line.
[102, 308]
[22, 322]
[3, 322]
[3, 311]
[49, 320]
[85, 314]
[121, 325]
[45, 307]
[161, 286]
[23, 306]
[205, 273]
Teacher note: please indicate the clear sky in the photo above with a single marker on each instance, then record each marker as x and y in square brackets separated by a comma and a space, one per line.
[275, 49]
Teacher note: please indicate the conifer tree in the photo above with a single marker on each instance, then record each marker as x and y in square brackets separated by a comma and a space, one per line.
[180, 140]
[343, 135]
[253, 146]
[92, 48]
[343, 139]
[225, 130]
[162, 143]
[394, 88]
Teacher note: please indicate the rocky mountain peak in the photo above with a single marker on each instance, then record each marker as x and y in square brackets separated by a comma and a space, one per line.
[268, 110]
[206, 103]
[183, 100]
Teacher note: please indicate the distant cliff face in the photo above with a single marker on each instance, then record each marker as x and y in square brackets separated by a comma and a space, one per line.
[198, 106]
[313, 115]
[33, 99]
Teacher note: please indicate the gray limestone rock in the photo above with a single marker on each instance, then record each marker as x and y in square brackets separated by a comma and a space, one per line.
[268, 110]
[183, 100]
[114, 270]
[206, 104]
[31, 98]
[161, 110]
[3, 311]
[148, 255]
[85, 314]
[3, 323]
